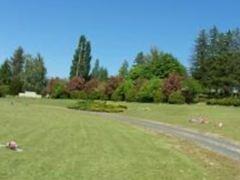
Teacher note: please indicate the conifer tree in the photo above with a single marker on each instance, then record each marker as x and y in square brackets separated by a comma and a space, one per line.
[5, 73]
[81, 59]
[123, 71]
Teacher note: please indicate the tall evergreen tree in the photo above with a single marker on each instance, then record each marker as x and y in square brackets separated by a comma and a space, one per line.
[5, 73]
[140, 59]
[95, 70]
[200, 58]
[81, 59]
[103, 74]
[123, 71]
[35, 74]
[99, 72]
[17, 63]
[214, 35]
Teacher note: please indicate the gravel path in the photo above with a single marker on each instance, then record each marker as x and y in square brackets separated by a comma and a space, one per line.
[214, 143]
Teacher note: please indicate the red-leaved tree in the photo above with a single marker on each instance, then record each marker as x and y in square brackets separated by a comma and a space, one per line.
[172, 84]
[76, 84]
[112, 85]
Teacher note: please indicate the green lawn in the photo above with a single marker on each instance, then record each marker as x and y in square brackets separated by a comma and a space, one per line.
[180, 115]
[59, 143]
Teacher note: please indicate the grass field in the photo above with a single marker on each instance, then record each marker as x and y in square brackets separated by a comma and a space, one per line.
[59, 143]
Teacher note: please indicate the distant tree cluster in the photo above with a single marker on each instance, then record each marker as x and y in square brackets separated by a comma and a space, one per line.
[216, 60]
[154, 77]
[22, 72]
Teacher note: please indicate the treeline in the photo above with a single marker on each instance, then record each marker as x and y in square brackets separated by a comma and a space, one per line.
[22, 72]
[154, 77]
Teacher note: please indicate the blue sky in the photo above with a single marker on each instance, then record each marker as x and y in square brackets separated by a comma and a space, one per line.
[117, 29]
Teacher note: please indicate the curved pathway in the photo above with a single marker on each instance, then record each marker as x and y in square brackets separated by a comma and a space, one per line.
[216, 144]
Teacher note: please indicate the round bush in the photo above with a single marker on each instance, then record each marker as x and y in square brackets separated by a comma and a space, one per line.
[78, 95]
[176, 98]
[159, 97]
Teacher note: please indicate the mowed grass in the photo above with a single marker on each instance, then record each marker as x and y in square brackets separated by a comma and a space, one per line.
[180, 115]
[59, 143]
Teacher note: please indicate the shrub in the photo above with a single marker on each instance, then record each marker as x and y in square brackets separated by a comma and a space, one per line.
[98, 106]
[159, 97]
[130, 95]
[144, 95]
[78, 95]
[94, 95]
[224, 102]
[4, 90]
[91, 85]
[59, 92]
[191, 88]
[172, 84]
[176, 98]
[112, 85]
[76, 84]
[118, 94]
[125, 91]
[57, 88]
[149, 90]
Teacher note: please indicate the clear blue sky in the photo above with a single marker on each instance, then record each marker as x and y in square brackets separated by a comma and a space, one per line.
[118, 29]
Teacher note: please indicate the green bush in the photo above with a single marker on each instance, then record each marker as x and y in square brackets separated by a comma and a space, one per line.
[191, 88]
[130, 95]
[159, 97]
[224, 102]
[176, 98]
[4, 90]
[59, 91]
[78, 95]
[98, 106]
[125, 92]
[94, 95]
[149, 90]
[118, 94]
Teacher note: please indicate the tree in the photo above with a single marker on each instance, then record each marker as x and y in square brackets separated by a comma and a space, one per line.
[81, 59]
[216, 61]
[102, 74]
[200, 66]
[17, 63]
[140, 59]
[99, 72]
[172, 84]
[34, 74]
[158, 64]
[5, 73]
[112, 85]
[95, 70]
[76, 84]
[123, 71]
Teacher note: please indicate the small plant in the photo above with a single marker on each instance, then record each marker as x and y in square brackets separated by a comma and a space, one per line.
[98, 106]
